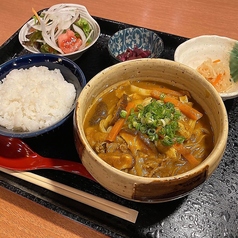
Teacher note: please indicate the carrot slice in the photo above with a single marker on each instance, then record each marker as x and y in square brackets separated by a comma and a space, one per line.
[217, 80]
[36, 14]
[166, 91]
[115, 129]
[155, 94]
[216, 61]
[186, 153]
[119, 124]
[184, 108]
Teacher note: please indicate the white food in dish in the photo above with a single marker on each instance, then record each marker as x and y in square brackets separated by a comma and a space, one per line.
[195, 51]
[34, 98]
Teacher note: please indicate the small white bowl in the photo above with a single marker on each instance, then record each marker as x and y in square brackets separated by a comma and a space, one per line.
[195, 51]
[75, 55]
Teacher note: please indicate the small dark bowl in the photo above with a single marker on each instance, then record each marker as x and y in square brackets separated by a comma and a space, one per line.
[130, 38]
[70, 71]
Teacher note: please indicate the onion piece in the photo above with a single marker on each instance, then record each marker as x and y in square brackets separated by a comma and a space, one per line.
[83, 45]
[80, 32]
[47, 38]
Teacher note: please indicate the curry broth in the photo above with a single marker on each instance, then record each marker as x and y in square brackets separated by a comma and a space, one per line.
[146, 162]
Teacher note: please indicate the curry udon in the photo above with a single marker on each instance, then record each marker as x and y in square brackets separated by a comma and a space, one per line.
[148, 129]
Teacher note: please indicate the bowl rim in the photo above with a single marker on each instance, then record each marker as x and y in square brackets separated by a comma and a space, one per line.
[220, 143]
[24, 60]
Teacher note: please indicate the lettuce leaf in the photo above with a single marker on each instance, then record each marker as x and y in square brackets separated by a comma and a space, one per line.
[84, 25]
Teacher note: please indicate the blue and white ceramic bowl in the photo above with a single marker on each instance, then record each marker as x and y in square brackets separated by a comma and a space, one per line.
[129, 38]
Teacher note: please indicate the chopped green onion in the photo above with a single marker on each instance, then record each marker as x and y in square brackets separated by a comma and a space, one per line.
[158, 120]
[162, 96]
[123, 113]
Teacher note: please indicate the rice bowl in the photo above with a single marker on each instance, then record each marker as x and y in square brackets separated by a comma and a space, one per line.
[31, 105]
[34, 98]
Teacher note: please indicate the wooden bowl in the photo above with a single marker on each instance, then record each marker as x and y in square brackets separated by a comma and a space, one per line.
[152, 190]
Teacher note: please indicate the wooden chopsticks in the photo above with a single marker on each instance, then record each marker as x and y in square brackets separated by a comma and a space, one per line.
[77, 195]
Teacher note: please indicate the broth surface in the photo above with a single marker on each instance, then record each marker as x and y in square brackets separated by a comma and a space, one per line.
[148, 129]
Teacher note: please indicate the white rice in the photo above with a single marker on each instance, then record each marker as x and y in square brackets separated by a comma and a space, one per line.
[34, 98]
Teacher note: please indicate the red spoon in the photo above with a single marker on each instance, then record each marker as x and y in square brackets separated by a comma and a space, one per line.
[16, 155]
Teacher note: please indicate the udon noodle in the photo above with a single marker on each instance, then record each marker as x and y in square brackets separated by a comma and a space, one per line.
[148, 130]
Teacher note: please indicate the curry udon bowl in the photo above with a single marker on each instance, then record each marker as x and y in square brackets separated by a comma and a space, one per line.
[145, 189]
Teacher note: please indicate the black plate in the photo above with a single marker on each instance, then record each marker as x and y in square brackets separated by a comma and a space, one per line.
[208, 211]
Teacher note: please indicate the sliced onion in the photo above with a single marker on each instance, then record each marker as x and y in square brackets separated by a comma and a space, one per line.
[47, 38]
[80, 32]
[84, 44]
